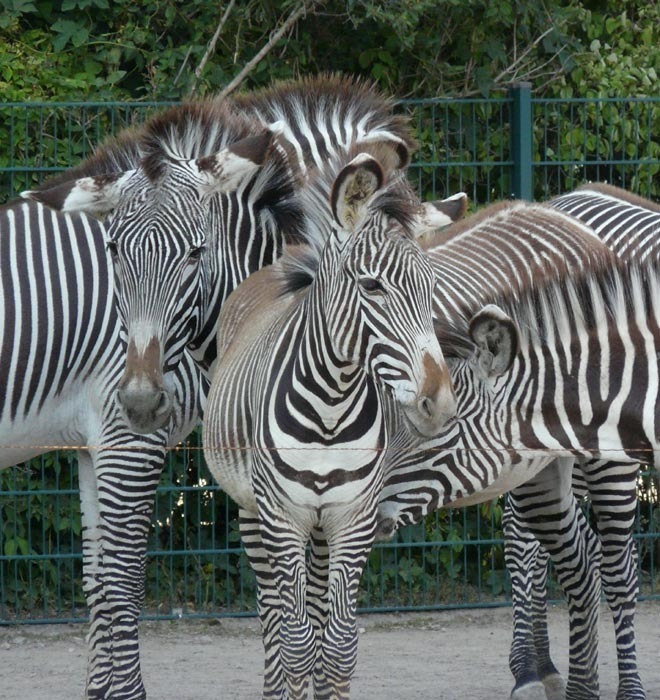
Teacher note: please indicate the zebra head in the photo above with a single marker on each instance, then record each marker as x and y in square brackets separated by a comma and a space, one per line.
[179, 233]
[379, 309]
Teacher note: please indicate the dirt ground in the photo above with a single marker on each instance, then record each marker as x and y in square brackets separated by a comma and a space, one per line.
[444, 655]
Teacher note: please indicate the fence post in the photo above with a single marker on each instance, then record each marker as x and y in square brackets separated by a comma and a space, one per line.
[521, 140]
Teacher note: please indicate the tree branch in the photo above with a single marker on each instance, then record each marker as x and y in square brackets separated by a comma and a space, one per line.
[275, 37]
[211, 47]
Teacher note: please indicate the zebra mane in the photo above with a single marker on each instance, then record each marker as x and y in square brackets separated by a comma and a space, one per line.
[561, 303]
[328, 102]
[194, 130]
[189, 130]
[396, 201]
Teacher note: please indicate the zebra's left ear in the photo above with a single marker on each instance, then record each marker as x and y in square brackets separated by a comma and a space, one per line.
[353, 189]
[227, 169]
[496, 339]
[97, 195]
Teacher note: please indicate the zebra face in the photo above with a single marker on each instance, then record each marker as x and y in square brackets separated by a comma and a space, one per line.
[159, 216]
[380, 311]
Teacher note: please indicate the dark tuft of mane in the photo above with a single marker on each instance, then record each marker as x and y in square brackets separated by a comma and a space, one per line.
[298, 267]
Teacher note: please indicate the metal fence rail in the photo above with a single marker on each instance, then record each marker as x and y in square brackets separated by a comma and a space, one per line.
[516, 146]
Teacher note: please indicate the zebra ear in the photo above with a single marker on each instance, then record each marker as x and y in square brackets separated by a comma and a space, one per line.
[226, 170]
[393, 152]
[496, 338]
[438, 214]
[97, 195]
[353, 188]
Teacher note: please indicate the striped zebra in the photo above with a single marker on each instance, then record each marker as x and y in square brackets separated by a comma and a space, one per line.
[459, 253]
[295, 428]
[61, 358]
[630, 226]
[176, 247]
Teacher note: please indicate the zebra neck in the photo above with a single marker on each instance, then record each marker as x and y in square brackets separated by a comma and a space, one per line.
[564, 410]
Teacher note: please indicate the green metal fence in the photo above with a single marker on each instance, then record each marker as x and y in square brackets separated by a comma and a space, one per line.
[516, 146]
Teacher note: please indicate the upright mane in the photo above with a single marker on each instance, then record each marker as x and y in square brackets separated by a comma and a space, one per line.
[614, 192]
[325, 104]
[187, 131]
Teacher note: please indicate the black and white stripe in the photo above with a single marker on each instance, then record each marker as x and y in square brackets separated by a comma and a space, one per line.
[630, 226]
[421, 494]
[198, 198]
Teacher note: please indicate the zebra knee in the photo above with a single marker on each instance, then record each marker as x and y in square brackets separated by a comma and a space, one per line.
[339, 654]
[298, 646]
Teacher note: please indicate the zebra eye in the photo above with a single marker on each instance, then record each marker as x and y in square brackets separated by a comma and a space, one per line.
[195, 254]
[370, 284]
[111, 247]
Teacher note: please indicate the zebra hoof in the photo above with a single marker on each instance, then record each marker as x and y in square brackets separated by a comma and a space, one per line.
[530, 691]
[555, 687]
[385, 529]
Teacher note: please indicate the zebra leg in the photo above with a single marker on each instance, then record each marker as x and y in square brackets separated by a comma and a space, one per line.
[114, 552]
[285, 545]
[268, 605]
[317, 596]
[349, 548]
[612, 488]
[522, 553]
[547, 507]
[554, 684]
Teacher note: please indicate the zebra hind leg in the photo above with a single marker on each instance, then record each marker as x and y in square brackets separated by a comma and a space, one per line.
[612, 488]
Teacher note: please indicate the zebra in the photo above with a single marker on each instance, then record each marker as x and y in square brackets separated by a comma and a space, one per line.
[298, 378]
[554, 399]
[190, 149]
[629, 225]
[61, 355]
[460, 252]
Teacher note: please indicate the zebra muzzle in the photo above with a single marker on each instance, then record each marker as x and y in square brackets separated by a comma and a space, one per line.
[141, 396]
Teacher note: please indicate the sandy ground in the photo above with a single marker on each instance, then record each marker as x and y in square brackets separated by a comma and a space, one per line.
[445, 655]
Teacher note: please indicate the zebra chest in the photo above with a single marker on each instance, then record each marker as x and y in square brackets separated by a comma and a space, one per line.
[316, 451]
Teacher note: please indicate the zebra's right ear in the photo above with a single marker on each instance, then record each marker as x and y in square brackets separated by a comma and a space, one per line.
[97, 195]
[440, 213]
[353, 189]
[496, 339]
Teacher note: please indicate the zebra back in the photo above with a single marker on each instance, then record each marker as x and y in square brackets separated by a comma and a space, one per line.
[627, 223]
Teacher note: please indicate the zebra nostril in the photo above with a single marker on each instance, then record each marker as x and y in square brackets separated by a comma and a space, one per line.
[425, 407]
[164, 404]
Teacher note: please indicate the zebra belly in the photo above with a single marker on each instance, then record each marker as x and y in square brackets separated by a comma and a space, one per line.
[60, 423]
[511, 476]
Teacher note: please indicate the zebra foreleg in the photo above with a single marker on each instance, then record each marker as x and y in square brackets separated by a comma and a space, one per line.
[612, 487]
[115, 552]
[268, 605]
[284, 544]
[521, 552]
[317, 597]
[349, 547]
